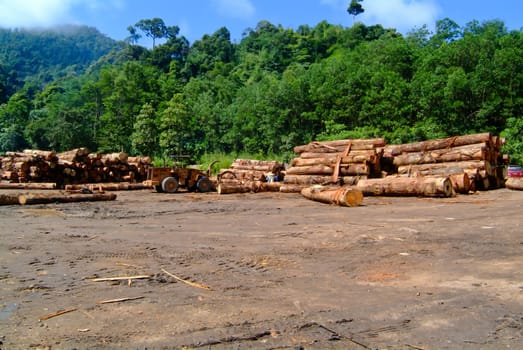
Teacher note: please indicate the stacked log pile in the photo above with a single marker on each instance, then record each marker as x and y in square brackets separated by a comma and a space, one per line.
[470, 161]
[246, 175]
[341, 162]
[72, 167]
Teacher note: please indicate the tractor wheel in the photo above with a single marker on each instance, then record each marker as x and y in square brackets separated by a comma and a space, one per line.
[204, 184]
[170, 184]
[158, 188]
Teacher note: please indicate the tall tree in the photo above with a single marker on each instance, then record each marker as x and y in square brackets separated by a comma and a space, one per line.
[153, 28]
[355, 9]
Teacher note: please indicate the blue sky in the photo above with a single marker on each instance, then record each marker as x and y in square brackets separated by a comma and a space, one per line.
[198, 17]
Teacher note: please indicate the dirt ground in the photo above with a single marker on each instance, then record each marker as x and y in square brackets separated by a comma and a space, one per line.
[283, 272]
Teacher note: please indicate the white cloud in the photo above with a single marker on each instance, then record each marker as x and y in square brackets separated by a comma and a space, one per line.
[41, 13]
[235, 8]
[400, 14]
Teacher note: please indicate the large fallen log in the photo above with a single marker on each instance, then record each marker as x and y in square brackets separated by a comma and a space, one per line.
[44, 198]
[407, 186]
[343, 196]
[514, 183]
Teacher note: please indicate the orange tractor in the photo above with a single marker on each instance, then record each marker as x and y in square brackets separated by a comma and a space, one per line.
[169, 180]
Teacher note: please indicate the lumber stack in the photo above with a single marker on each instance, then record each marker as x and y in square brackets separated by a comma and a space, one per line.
[341, 162]
[76, 166]
[476, 156]
[246, 175]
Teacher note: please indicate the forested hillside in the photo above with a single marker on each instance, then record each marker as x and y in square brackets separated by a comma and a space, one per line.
[41, 56]
[277, 88]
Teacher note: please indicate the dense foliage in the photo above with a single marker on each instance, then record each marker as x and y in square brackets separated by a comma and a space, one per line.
[277, 88]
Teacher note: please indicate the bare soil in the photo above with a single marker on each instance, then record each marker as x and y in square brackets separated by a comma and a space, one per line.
[284, 273]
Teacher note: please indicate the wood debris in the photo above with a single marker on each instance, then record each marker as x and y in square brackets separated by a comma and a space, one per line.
[119, 300]
[58, 313]
[190, 283]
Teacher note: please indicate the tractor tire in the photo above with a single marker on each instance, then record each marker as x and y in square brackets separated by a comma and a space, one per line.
[158, 188]
[204, 184]
[170, 184]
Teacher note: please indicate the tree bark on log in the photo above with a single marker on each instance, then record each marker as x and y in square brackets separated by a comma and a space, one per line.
[9, 199]
[342, 196]
[352, 157]
[454, 154]
[292, 188]
[319, 169]
[407, 186]
[430, 145]
[229, 187]
[460, 183]
[107, 186]
[74, 154]
[307, 179]
[340, 145]
[446, 168]
[29, 186]
[514, 183]
[44, 198]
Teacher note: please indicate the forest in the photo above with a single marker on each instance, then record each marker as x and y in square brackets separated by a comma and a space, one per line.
[262, 95]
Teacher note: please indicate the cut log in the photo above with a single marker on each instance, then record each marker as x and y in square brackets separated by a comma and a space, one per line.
[343, 196]
[44, 198]
[292, 188]
[118, 157]
[107, 186]
[270, 186]
[514, 183]
[407, 186]
[307, 179]
[47, 155]
[9, 199]
[228, 188]
[339, 145]
[460, 183]
[353, 157]
[74, 154]
[352, 180]
[318, 169]
[430, 145]
[462, 153]
[446, 168]
[29, 186]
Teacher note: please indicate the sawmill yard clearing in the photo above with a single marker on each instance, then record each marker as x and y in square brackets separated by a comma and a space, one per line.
[263, 271]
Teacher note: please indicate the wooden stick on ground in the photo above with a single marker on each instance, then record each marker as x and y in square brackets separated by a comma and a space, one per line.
[58, 313]
[119, 300]
[193, 284]
[120, 278]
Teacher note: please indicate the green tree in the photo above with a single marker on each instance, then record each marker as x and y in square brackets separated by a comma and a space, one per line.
[355, 8]
[144, 138]
[154, 28]
[175, 135]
